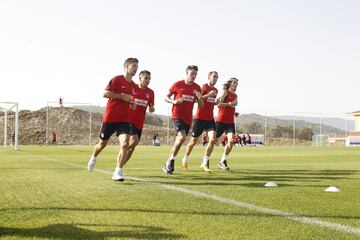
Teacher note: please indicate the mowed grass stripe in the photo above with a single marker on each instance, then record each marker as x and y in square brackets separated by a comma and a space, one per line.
[274, 212]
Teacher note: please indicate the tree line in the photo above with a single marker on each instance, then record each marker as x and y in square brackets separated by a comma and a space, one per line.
[304, 133]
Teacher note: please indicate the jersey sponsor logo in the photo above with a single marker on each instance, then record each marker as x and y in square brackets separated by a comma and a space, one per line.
[188, 98]
[211, 99]
[141, 102]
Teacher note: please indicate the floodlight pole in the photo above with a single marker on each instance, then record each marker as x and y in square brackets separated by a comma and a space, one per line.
[5, 129]
[265, 127]
[17, 128]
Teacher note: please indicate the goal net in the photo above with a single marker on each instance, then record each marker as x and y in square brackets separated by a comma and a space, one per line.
[70, 123]
[9, 124]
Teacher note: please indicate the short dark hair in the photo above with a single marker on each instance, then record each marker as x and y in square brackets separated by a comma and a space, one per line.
[192, 67]
[129, 61]
[144, 72]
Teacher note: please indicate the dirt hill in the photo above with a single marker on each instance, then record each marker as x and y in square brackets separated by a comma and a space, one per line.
[71, 125]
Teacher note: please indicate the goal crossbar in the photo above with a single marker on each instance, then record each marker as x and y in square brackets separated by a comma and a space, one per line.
[67, 103]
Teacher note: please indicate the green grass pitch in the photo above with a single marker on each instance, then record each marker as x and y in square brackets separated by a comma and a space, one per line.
[46, 193]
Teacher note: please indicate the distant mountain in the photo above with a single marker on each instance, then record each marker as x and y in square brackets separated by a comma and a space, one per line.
[329, 125]
[339, 123]
[245, 119]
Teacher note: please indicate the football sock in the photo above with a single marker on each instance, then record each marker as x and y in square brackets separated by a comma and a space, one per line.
[205, 159]
[185, 158]
[118, 170]
[224, 157]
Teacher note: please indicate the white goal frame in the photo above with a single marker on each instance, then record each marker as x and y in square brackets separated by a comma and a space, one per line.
[6, 107]
[67, 103]
[312, 114]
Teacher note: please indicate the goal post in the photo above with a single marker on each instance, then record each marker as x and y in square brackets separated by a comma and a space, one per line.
[315, 125]
[6, 108]
[76, 105]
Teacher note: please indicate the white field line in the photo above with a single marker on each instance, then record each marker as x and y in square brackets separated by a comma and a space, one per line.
[274, 212]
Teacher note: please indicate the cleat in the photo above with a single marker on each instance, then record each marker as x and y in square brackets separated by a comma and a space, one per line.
[119, 180]
[223, 165]
[185, 166]
[118, 176]
[205, 167]
[91, 165]
[169, 169]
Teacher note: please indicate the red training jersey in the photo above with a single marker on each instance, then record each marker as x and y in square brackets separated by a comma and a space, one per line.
[207, 112]
[226, 114]
[118, 110]
[184, 110]
[142, 98]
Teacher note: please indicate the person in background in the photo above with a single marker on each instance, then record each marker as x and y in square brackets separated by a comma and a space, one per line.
[60, 102]
[53, 137]
[248, 138]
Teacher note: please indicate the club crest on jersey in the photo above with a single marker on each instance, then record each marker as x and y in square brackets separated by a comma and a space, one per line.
[194, 91]
[133, 91]
[147, 95]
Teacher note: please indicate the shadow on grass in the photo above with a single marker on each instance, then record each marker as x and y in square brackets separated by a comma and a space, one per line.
[159, 230]
[76, 231]
[257, 178]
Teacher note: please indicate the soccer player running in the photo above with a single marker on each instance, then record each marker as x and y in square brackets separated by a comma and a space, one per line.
[225, 119]
[185, 93]
[116, 116]
[142, 97]
[204, 121]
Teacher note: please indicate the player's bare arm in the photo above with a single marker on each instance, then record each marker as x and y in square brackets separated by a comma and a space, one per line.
[221, 101]
[151, 109]
[212, 93]
[168, 99]
[121, 96]
[234, 103]
[199, 99]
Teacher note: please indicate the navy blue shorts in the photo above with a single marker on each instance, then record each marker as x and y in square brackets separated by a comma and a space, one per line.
[224, 127]
[180, 125]
[108, 129]
[135, 131]
[199, 126]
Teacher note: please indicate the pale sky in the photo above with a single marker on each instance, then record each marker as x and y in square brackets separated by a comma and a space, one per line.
[289, 56]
